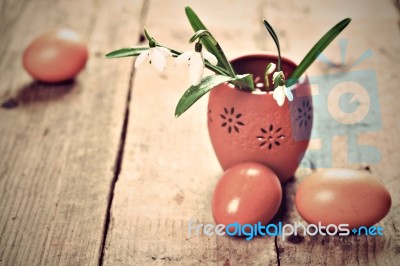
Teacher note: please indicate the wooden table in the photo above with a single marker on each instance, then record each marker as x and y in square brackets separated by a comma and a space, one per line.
[98, 171]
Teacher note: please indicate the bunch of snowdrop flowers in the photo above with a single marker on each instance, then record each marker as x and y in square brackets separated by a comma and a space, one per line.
[157, 56]
[213, 58]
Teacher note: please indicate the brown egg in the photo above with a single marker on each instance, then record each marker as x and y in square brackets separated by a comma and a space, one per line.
[247, 193]
[342, 196]
[55, 56]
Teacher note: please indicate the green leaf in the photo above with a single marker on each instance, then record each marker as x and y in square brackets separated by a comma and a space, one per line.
[124, 52]
[276, 40]
[316, 50]
[244, 82]
[196, 92]
[215, 49]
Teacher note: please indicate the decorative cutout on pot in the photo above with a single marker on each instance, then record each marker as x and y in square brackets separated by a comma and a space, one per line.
[209, 116]
[301, 118]
[230, 120]
[304, 114]
[271, 137]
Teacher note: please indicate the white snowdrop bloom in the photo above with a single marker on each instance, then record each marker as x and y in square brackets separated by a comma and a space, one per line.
[196, 62]
[157, 57]
[280, 93]
[270, 68]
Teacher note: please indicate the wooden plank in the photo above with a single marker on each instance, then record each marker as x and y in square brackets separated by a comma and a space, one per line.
[59, 144]
[169, 168]
[375, 27]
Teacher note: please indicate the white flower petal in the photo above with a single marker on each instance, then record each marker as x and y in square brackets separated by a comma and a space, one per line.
[140, 59]
[182, 58]
[288, 93]
[210, 57]
[158, 60]
[279, 95]
[196, 68]
[165, 51]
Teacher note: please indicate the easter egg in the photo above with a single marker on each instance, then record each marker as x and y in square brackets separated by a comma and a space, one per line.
[342, 196]
[247, 193]
[55, 56]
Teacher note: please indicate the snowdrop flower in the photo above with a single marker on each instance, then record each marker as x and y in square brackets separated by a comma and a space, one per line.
[270, 68]
[279, 94]
[157, 57]
[268, 71]
[196, 62]
[281, 91]
[276, 75]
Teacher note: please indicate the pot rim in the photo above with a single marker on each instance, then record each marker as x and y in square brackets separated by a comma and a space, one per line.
[258, 54]
[261, 55]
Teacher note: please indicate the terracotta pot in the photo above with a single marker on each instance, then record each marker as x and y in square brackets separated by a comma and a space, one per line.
[251, 127]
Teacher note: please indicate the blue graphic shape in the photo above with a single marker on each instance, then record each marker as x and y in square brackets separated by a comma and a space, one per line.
[325, 126]
[343, 48]
[357, 153]
[325, 60]
[348, 102]
[367, 54]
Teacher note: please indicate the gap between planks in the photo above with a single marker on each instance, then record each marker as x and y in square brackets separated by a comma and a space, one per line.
[120, 154]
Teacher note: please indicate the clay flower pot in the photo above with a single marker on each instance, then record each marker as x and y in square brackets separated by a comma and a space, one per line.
[251, 127]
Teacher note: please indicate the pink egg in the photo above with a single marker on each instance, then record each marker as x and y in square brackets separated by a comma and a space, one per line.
[247, 193]
[342, 196]
[55, 56]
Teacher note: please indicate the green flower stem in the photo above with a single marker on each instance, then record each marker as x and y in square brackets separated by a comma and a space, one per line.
[276, 40]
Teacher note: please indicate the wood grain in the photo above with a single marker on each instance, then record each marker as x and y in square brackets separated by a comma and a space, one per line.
[59, 143]
[169, 168]
[98, 171]
[374, 26]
